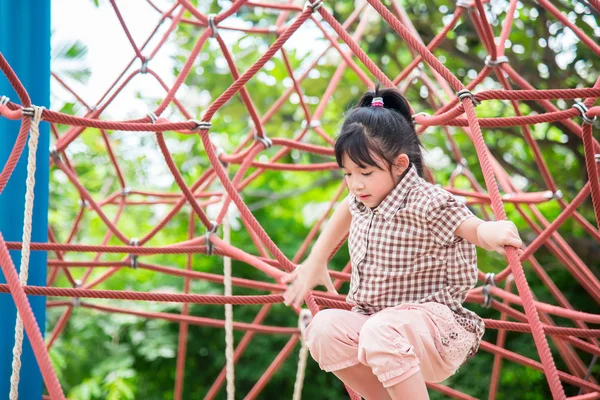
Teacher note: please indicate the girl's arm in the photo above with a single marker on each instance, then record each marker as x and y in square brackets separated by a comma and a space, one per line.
[313, 270]
[490, 235]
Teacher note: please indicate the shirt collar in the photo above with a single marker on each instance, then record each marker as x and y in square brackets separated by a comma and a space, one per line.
[394, 200]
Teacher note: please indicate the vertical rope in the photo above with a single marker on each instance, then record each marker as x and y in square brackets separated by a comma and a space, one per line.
[27, 222]
[303, 320]
[228, 314]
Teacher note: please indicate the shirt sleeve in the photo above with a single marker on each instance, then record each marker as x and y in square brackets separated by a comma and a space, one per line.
[444, 216]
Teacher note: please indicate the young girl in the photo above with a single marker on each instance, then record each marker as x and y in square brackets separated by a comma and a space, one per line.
[413, 261]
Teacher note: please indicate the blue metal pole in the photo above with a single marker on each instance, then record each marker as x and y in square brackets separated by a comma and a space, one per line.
[25, 43]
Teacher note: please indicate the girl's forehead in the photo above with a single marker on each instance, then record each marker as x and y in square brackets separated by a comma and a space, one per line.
[348, 163]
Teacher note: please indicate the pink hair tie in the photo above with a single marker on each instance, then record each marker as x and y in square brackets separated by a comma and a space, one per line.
[377, 102]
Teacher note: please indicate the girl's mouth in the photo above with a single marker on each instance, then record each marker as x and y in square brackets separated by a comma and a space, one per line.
[363, 197]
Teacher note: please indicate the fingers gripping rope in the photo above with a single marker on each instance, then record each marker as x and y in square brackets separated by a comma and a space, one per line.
[36, 114]
[303, 320]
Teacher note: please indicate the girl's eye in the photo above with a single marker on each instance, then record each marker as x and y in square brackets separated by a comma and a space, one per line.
[346, 175]
[367, 173]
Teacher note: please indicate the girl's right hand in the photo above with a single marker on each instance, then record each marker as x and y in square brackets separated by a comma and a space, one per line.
[303, 279]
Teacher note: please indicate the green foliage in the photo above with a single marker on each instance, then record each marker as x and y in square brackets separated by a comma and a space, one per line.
[116, 356]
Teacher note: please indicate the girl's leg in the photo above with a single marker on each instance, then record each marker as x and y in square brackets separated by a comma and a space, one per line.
[361, 379]
[332, 338]
[411, 388]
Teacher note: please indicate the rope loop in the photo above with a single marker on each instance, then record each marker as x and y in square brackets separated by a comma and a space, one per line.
[264, 140]
[200, 125]
[467, 93]
[133, 258]
[489, 281]
[314, 6]
[210, 247]
[582, 108]
[494, 63]
[212, 25]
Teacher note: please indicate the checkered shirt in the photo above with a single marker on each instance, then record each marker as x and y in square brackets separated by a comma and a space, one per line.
[405, 251]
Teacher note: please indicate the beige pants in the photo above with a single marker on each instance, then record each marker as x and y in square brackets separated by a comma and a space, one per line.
[396, 342]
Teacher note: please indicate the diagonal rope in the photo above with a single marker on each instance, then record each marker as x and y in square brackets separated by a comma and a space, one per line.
[27, 222]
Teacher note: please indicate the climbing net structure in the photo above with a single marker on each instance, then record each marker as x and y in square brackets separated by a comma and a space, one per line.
[455, 110]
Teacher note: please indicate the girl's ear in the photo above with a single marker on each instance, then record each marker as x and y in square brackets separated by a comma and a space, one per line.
[402, 163]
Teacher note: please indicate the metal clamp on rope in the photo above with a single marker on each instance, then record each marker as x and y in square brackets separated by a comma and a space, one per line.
[200, 125]
[314, 6]
[494, 63]
[82, 203]
[597, 157]
[463, 3]
[584, 110]
[125, 191]
[133, 258]
[144, 67]
[313, 123]
[489, 281]
[264, 140]
[220, 151]
[212, 25]
[4, 100]
[76, 301]
[467, 93]
[28, 111]
[210, 247]
[152, 117]
[414, 117]
[550, 195]
[54, 153]
[304, 319]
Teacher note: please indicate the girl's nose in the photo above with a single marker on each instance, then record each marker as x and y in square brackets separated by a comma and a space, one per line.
[357, 184]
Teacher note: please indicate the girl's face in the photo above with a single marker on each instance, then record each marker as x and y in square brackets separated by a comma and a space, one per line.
[372, 184]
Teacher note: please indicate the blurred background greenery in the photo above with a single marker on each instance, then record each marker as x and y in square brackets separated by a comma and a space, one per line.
[101, 356]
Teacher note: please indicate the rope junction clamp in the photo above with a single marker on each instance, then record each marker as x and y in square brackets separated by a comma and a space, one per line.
[28, 111]
[584, 110]
[54, 153]
[144, 67]
[314, 6]
[467, 93]
[489, 281]
[76, 301]
[494, 63]
[210, 247]
[212, 25]
[463, 3]
[264, 140]
[200, 125]
[152, 117]
[4, 100]
[133, 258]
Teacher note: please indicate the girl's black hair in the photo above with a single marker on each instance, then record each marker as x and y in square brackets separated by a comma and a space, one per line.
[387, 131]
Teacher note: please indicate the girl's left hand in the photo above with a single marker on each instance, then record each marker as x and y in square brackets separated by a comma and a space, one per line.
[494, 235]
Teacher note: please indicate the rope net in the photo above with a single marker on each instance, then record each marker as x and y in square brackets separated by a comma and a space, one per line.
[229, 175]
